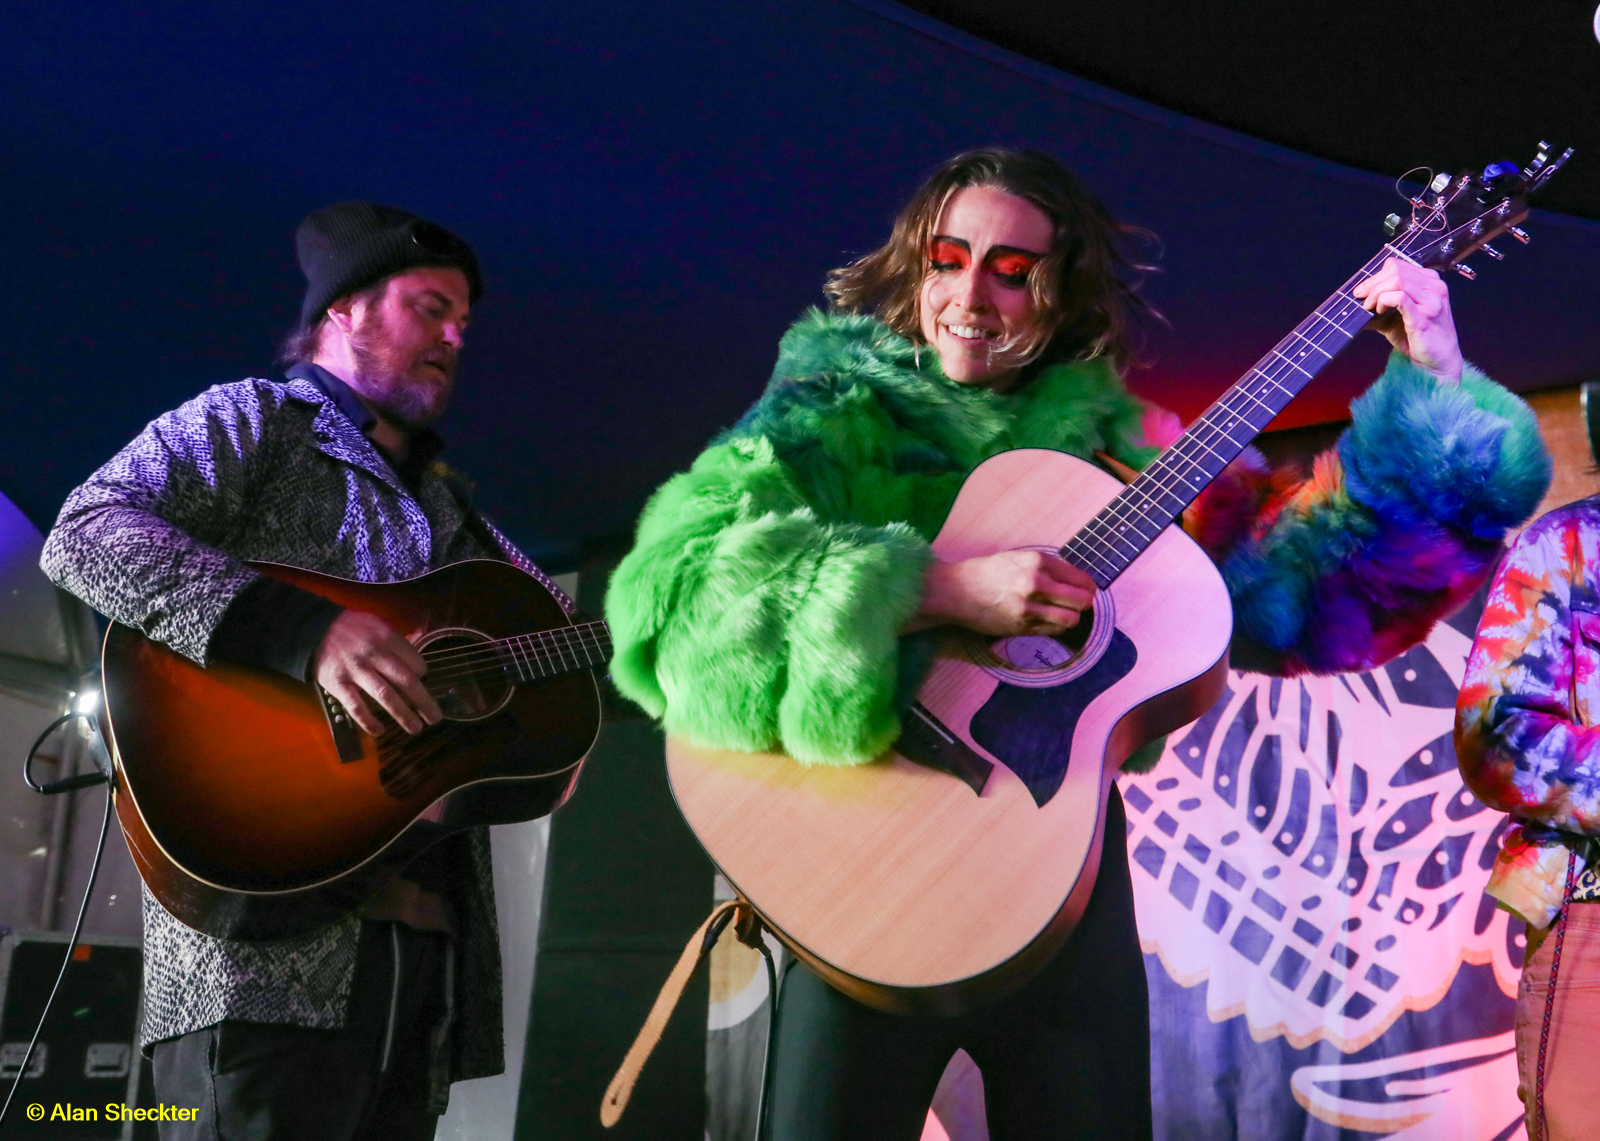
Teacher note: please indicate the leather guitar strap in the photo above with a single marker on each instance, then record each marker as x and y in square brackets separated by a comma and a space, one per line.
[698, 947]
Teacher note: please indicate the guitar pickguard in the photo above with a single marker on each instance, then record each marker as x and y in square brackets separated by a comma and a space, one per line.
[1030, 729]
[928, 741]
[406, 763]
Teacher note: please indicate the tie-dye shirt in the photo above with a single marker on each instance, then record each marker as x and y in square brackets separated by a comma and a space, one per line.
[1526, 734]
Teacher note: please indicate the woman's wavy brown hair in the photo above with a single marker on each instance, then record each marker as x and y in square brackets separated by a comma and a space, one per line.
[1085, 291]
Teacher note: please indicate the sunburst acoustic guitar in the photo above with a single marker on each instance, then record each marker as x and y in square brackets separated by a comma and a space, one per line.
[953, 868]
[253, 807]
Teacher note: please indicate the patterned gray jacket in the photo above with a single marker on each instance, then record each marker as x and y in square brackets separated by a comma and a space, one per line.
[157, 539]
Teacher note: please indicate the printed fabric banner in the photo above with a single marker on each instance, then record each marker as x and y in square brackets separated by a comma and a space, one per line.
[1323, 962]
[1309, 873]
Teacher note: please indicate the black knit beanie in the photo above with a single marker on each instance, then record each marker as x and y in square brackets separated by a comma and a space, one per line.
[351, 245]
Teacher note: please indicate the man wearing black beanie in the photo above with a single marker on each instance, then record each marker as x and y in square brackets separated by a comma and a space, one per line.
[358, 1029]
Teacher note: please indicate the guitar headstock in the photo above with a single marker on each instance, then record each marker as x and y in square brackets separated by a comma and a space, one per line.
[1456, 217]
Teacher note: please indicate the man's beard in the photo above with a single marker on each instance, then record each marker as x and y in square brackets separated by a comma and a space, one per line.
[401, 384]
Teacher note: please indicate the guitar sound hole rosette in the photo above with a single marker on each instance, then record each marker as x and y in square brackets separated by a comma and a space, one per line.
[1038, 661]
[465, 693]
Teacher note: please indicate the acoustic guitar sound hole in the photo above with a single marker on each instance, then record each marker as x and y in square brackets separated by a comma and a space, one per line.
[1039, 660]
[467, 673]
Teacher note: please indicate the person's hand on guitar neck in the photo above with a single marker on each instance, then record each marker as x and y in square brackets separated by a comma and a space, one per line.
[1411, 307]
[1033, 592]
[1004, 595]
[362, 658]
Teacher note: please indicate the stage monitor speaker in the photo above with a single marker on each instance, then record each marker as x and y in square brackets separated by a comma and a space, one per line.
[87, 1066]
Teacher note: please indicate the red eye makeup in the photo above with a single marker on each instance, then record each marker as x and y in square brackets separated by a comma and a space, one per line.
[1012, 267]
[945, 254]
[1009, 265]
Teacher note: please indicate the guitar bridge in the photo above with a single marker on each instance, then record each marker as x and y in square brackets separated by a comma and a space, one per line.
[345, 738]
[928, 741]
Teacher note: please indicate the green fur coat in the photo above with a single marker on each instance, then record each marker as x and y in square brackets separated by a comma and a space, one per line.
[761, 605]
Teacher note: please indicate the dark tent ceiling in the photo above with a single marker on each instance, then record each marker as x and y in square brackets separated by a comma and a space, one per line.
[656, 191]
[1370, 83]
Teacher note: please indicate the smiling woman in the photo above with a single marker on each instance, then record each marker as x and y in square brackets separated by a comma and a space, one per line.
[1044, 241]
[765, 605]
[974, 306]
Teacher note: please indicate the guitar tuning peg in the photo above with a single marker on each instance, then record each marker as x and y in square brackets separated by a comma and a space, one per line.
[1467, 272]
[1439, 183]
[1539, 160]
[1520, 234]
[1391, 224]
[1494, 253]
[1498, 172]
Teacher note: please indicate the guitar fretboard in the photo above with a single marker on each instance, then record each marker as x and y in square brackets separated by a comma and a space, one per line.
[1129, 523]
[550, 653]
[532, 657]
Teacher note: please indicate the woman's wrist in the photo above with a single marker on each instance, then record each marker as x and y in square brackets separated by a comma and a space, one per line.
[939, 604]
[1445, 372]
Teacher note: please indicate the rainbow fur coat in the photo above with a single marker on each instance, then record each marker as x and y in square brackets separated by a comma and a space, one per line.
[761, 605]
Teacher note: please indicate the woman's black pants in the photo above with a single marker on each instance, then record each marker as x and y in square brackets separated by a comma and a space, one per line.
[1066, 1056]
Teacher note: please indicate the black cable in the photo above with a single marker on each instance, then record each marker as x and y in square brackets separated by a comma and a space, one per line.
[66, 784]
[772, 1036]
[72, 943]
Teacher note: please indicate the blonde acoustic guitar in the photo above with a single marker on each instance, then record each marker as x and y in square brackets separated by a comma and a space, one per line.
[953, 868]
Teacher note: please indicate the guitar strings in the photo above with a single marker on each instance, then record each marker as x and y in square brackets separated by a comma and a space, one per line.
[528, 670]
[509, 651]
[590, 648]
[543, 641]
[581, 630]
[1211, 425]
[1180, 463]
[532, 664]
[1178, 466]
[544, 638]
[505, 655]
[504, 661]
